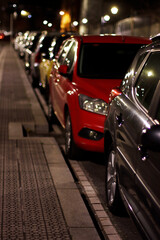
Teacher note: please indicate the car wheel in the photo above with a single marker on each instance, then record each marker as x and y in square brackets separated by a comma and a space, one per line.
[114, 200]
[70, 148]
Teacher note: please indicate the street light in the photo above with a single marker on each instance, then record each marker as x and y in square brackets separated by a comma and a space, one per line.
[84, 20]
[24, 13]
[75, 23]
[61, 13]
[49, 24]
[106, 18]
[45, 22]
[114, 10]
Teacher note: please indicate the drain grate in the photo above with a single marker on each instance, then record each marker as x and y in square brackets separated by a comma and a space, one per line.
[29, 204]
[39, 195]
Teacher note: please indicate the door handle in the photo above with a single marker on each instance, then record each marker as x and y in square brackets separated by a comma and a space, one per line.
[119, 120]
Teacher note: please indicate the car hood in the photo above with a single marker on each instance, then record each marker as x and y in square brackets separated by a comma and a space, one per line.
[97, 88]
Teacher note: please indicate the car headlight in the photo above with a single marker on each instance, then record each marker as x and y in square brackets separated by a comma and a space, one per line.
[94, 105]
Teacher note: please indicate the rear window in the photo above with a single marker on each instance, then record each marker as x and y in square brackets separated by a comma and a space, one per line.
[106, 60]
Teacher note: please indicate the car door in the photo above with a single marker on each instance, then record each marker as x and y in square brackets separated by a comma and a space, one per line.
[61, 83]
[127, 120]
[133, 116]
[147, 89]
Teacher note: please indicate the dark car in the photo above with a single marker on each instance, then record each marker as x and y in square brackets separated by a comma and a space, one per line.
[30, 48]
[41, 50]
[132, 142]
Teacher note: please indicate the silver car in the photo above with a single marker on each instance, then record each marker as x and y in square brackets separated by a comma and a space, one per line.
[132, 142]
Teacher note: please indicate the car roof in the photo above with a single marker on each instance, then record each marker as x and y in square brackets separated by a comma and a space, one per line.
[111, 38]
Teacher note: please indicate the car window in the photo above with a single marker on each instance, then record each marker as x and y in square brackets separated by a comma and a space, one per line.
[59, 41]
[148, 80]
[64, 52]
[106, 60]
[140, 60]
[70, 57]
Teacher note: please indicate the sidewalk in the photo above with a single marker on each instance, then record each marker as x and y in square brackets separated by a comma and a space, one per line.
[38, 196]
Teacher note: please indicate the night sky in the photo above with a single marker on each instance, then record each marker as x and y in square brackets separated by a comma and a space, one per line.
[50, 8]
[126, 7]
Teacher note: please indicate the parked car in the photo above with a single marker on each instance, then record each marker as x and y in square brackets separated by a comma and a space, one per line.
[132, 142]
[46, 63]
[30, 48]
[22, 43]
[83, 74]
[36, 56]
[16, 40]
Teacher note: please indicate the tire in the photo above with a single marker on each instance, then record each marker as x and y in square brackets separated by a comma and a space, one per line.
[113, 197]
[71, 149]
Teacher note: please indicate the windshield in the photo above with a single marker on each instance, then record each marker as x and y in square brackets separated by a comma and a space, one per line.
[106, 60]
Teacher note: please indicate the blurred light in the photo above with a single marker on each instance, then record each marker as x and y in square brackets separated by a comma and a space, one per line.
[14, 5]
[106, 18]
[45, 22]
[29, 16]
[15, 15]
[49, 24]
[84, 20]
[65, 22]
[150, 73]
[61, 13]
[114, 10]
[75, 23]
[24, 13]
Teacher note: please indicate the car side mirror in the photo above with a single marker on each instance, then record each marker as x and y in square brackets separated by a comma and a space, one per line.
[63, 70]
[150, 138]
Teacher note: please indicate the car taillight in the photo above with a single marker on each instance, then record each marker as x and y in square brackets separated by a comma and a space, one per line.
[114, 93]
[38, 57]
[1, 35]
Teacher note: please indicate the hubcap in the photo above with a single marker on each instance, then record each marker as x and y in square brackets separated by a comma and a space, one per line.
[111, 178]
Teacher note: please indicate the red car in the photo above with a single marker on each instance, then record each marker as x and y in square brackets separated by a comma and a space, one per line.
[83, 74]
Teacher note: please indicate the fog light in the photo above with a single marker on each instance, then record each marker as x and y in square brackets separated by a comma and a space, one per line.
[93, 134]
[90, 134]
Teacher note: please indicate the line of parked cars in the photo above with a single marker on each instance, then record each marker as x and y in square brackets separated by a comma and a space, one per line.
[104, 90]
